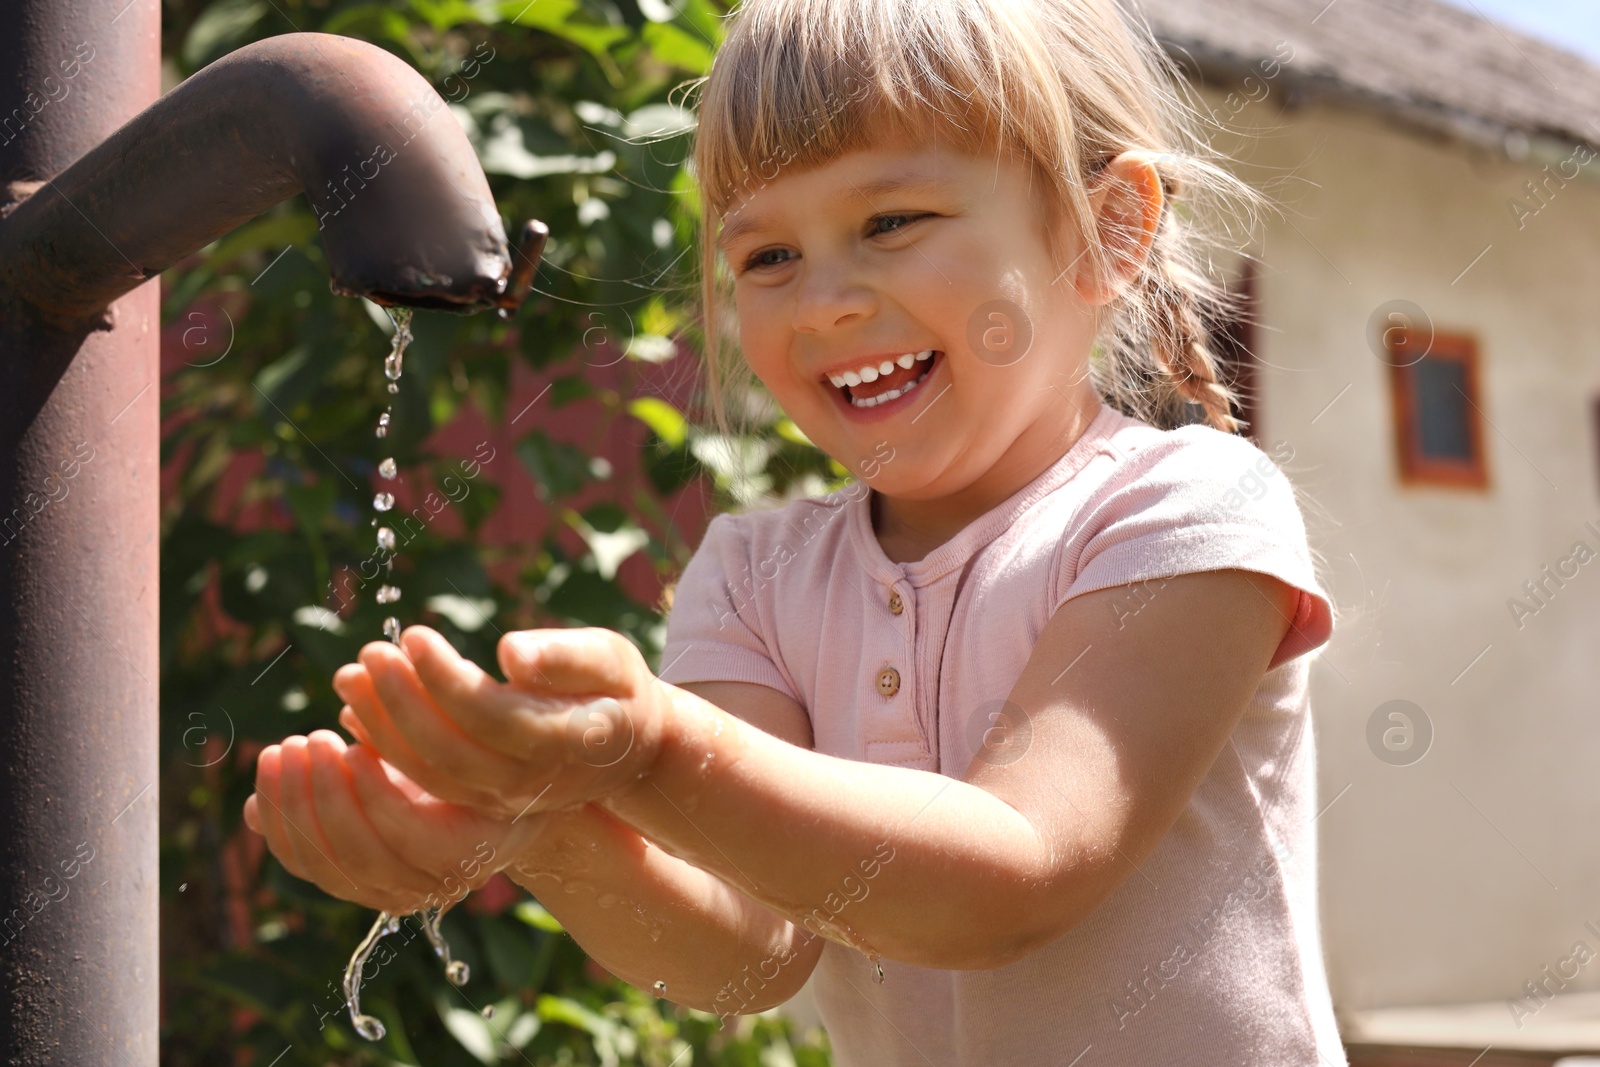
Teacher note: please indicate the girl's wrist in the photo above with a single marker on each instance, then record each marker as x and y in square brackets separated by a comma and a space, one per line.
[690, 730]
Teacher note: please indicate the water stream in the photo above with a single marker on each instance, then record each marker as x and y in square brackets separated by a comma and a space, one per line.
[455, 971]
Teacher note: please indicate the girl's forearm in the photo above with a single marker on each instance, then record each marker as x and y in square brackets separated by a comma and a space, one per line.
[646, 916]
[907, 864]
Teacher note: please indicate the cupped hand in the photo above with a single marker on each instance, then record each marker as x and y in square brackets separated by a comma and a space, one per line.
[338, 816]
[580, 716]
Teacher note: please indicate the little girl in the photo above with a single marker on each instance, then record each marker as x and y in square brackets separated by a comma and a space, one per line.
[1007, 745]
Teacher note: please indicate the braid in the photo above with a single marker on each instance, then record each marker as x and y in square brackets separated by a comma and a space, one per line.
[1180, 344]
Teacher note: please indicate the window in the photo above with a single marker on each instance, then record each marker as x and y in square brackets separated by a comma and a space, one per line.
[1438, 416]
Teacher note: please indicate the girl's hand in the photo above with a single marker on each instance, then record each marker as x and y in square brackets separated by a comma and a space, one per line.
[338, 816]
[580, 717]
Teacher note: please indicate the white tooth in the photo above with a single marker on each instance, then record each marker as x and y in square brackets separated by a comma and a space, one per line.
[852, 378]
[837, 380]
[869, 374]
[886, 367]
[906, 360]
[926, 354]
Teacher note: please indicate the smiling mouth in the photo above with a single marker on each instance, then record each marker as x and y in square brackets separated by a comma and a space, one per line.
[890, 387]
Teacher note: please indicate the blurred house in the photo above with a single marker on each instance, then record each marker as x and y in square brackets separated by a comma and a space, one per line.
[1425, 355]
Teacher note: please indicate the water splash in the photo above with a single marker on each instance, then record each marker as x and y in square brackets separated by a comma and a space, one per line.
[367, 1026]
[455, 971]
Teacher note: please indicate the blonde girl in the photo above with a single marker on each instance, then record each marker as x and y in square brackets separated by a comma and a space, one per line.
[1006, 747]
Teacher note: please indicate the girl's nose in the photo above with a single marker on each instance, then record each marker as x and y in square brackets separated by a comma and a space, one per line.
[830, 297]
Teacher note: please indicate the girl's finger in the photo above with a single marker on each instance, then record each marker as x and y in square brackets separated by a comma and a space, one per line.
[349, 833]
[358, 688]
[500, 716]
[269, 787]
[429, 728]
[584, 661]
[352, 723]
[454, 832]
[299, 810]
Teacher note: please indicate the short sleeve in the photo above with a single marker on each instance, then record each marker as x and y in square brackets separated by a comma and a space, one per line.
[712, 630]
[1196, 499]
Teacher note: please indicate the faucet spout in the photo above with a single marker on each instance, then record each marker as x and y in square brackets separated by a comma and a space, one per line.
[404, 210]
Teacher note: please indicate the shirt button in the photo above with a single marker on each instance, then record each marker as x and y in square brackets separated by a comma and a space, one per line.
[888, 681]
[894, 602]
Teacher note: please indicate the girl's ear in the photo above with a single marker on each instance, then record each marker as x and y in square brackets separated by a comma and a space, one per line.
[1127, 201]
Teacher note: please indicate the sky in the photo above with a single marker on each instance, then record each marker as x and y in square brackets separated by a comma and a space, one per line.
[1570, 24]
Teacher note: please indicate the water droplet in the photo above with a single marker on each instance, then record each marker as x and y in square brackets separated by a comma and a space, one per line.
[391, 629]
[386, 538]
[368, 1027]
[387, 468]
[182, 887]
[397, 345]
[383, 425]
[660, 987]
[488, 1011]
[655, 933]
[388, 594]
[383, 502]
[457, 972]
[393, 388]
[879, 968]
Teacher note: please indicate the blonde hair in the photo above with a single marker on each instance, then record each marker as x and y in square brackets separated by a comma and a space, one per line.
[1064, 85]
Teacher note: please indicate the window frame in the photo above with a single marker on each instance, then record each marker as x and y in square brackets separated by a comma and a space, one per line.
[1407, 347]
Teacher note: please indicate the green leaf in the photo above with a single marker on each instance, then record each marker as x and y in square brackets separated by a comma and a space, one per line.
[554, 1009]
[534, 914]
[672, 45]
[567, 388]
[566, 19]
[558, 468]
[667, 421]
[221, 28]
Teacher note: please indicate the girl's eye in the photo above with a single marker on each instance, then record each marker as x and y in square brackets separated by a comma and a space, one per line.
[756, 260]
[759, 260]
[903, 219]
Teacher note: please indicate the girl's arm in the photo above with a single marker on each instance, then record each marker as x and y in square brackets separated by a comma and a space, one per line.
[649, 917]
[1126, 719]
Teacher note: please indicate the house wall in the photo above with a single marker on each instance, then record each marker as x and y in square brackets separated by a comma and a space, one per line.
[1465, 874]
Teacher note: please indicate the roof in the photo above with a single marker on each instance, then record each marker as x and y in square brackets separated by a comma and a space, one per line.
[1433, 66]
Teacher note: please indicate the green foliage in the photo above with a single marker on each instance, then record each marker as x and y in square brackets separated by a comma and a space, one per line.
[266, 588]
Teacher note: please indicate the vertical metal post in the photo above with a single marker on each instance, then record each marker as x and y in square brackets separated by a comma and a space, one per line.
[79, 583]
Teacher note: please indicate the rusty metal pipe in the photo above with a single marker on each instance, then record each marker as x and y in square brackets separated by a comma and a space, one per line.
[405, 211]
[85, 226]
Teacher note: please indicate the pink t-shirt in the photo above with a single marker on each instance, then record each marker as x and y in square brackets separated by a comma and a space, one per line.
[1211, 955]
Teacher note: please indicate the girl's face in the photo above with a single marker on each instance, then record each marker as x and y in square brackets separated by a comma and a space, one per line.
[838, 269]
